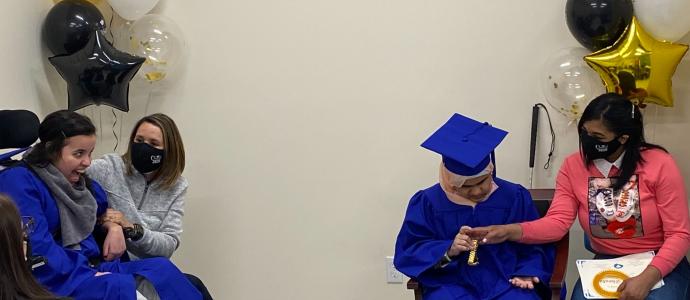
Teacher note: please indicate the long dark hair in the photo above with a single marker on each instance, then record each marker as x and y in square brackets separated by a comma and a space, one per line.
[16, 281]
[620, 116]
[53, 131]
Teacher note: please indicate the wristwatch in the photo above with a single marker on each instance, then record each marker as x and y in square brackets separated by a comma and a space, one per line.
[447, 258]
[134, 233]
[445, 261]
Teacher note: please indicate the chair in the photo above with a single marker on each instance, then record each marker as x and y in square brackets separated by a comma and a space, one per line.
[18, 129]
[542, 200]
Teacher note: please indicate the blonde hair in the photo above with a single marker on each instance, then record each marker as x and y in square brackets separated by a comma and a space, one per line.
[173, 149]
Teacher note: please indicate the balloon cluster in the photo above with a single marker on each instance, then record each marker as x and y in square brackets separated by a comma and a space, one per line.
[95, 71]
[633, 52]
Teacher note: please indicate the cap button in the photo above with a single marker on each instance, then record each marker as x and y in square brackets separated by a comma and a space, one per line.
[465, 140]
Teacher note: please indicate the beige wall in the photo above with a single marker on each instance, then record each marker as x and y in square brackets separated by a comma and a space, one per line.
[302, 121]
[23, 83]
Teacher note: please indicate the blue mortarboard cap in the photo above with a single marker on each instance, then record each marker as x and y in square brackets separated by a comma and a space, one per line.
[465, 144]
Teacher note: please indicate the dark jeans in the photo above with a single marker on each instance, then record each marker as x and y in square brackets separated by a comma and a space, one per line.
[675, 284]
[199, 285]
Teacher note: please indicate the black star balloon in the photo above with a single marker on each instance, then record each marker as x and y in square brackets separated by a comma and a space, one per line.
[97, 74]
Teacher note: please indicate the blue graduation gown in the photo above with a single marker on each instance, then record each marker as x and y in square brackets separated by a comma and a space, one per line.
[68, 272]
[430, 226]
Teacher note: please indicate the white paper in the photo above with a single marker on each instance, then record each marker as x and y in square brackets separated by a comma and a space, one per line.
[630, 265]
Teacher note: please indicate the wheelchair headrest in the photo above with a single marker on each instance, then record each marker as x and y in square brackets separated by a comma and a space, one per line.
[18, 128]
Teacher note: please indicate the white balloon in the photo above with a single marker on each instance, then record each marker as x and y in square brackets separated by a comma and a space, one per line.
[568, 83]
[664, 19]
[132, 9]
[160, 41]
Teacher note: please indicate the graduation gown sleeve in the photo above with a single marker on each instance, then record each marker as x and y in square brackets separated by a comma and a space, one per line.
[418, 247]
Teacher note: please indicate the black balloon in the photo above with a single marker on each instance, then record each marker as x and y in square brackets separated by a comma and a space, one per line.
[69, 25]
[597, 24]
[97, 74]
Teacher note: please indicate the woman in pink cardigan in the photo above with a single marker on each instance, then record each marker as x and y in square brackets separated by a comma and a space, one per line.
[628, 195]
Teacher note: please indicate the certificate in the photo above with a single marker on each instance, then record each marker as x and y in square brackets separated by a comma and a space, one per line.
[601, 277]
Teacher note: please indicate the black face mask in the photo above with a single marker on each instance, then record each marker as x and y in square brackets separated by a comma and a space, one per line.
[146, 158]
[595, 149]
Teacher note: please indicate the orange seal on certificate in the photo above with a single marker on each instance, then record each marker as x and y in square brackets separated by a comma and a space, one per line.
[606, 283]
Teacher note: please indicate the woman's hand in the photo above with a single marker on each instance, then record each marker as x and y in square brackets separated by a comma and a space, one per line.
[500, 233]
[524, 282]
[461, 243]
[114, 245]
[638, 287]
[115, 216]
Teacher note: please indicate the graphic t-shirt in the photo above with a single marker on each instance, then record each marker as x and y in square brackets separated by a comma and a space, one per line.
[614, 213]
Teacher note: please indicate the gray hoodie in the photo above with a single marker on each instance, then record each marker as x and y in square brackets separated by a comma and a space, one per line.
[158, 210]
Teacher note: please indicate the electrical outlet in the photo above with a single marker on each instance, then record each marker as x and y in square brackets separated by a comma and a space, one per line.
[392, 274]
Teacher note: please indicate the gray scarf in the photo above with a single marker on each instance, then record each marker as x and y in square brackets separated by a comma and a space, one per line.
[76, 205]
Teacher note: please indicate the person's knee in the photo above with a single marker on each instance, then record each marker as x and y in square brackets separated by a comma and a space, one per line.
[669, 291]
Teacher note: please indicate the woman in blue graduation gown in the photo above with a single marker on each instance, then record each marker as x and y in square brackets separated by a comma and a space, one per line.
[50, 186]
[434, 242]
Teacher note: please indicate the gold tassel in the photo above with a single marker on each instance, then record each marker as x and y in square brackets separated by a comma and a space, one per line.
[472, 259]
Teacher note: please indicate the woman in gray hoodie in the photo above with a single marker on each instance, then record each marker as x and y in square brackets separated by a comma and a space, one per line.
[146, 189]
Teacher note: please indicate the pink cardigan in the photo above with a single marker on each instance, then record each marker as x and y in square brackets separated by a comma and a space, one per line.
[663, 208]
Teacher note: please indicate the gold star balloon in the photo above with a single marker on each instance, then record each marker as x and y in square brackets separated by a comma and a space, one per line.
[638, 66]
